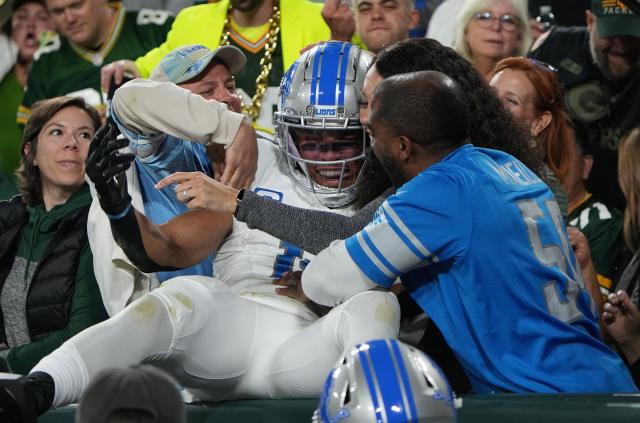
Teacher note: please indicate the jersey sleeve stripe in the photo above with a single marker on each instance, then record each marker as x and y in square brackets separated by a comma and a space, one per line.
[390, 248]
[406, 235]
[389, 268]
[368, 264]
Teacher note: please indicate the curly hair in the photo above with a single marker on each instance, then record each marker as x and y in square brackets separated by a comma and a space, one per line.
[490, 124]
[557, 138]
[28, 174]
[629, 179]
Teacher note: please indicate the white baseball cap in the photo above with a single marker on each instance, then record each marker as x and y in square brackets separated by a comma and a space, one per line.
[187, 62]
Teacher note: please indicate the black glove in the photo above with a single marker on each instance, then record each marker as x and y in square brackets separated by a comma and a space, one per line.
[105, 167]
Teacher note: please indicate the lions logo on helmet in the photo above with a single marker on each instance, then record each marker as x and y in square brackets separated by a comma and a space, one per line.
[386, 380]
[318, 122]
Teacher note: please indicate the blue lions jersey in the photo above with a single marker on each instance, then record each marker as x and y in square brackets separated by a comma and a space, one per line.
[480, 244]
[158, 156]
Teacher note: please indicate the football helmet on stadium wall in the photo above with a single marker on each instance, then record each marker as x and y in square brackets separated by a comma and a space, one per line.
[386, 380]
[321, 92]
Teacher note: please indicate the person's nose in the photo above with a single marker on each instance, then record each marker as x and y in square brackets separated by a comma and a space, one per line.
[376, 13]
[70, 142]
[69, 16]
[328, 154]
[231, 99]
[31, 23]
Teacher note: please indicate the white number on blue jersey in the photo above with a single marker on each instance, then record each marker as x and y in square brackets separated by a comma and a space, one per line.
[554, 255]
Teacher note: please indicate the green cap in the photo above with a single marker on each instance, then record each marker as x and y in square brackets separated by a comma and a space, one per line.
[615, 19]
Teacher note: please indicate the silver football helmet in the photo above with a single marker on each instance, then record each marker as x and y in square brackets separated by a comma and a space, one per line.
[386, 380]
[318, 122]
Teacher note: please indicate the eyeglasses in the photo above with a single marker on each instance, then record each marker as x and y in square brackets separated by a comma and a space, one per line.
[544, 65]
[485, 20]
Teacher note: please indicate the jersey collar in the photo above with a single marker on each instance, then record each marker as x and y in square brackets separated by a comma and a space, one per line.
[97, 57]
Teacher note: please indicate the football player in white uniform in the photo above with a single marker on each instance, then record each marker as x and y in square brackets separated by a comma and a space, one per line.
[232, 336]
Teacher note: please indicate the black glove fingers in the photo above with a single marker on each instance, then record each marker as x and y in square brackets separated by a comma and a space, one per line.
[98, 143]
[105, 154]
[116, 165]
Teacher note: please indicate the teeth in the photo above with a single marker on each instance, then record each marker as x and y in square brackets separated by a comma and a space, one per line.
[328, 173]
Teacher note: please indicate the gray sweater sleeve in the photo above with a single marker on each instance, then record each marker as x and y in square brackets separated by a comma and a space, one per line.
[311, 230]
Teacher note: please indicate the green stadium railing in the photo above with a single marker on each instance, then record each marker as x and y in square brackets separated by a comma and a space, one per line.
[505, 408]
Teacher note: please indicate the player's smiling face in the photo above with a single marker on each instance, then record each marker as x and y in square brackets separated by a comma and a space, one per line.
[331, 146]
[215, 83]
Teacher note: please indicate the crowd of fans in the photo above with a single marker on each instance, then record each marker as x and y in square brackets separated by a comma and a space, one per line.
[563, 100]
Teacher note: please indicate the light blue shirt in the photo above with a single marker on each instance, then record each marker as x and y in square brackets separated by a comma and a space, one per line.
[158, 156]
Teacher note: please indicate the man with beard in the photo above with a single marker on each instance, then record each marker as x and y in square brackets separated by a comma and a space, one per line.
[270, 33]
[474, 236]
[598, 66]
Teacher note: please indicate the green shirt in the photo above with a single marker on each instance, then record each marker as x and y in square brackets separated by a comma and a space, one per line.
[86, 305]
[10, 95]
[61, 67]
[602, 226]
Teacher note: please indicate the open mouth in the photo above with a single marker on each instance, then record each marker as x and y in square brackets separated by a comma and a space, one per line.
[30, 39]
[333, 173]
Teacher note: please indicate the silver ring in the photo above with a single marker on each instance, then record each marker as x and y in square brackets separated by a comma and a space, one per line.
[185, 194]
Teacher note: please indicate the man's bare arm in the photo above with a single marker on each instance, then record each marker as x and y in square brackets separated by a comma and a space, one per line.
[186, 239]
[181, 242]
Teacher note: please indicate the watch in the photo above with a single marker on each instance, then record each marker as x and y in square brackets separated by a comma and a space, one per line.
[239, 197]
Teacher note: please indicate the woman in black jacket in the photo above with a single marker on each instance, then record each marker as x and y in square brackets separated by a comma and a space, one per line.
[48, 290]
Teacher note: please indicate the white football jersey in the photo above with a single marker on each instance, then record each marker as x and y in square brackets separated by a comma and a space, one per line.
[248, 260]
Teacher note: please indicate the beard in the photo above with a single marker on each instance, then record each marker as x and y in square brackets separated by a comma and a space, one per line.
[393, 169]
[601, 60]
[246, 5]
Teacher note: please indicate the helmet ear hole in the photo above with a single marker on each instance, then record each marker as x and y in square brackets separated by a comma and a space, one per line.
[418, 390]
[429, 384]
[347, 396]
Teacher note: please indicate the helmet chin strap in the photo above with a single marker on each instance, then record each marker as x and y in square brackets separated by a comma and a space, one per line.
[334, 198]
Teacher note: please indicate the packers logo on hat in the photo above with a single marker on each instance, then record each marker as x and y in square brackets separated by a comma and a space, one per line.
[615, 19]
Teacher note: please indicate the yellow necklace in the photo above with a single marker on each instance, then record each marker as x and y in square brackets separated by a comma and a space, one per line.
[262, 80]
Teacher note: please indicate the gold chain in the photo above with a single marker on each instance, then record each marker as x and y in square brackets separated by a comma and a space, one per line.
[262, 80]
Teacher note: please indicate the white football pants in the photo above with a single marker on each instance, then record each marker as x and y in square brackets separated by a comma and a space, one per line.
[221, 345]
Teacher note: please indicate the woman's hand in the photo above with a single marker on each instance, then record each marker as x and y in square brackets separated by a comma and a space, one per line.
[621, 318]
[198, 191]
